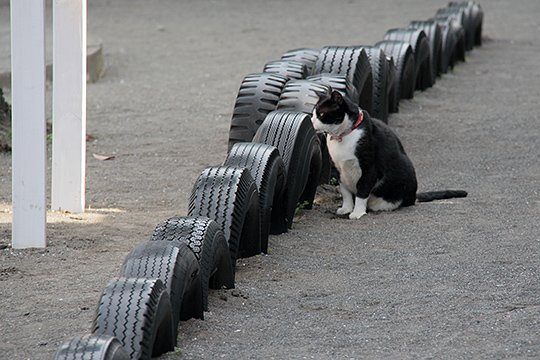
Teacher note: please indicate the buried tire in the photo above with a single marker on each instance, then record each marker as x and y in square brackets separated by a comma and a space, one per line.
[138, 313]
[404, 79]
[476, 17]
[258, 95]
[95, 347]
[422, 58]
[206, 240]
[462, 15]
[306, 56]
[447, 57]
[382, 81]
[288, 68]
[434, 35]
[451, 20]
[268, 170]
[303, 95]
[177, 267]
[293, 135]
[352, 62]
[228, 195]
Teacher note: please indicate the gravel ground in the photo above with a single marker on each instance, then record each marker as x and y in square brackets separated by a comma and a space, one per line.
[449, 279]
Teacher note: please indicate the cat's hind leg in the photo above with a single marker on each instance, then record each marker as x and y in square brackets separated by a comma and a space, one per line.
[348, 201]
[376, 203]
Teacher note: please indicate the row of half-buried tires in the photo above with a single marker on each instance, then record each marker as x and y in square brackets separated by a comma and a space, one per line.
[166, 279]
[275, 162]
[161, 282]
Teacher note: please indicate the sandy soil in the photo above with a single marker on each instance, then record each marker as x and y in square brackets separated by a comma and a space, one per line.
[450, 279]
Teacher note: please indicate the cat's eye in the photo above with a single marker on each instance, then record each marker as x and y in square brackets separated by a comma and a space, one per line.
[321, 114]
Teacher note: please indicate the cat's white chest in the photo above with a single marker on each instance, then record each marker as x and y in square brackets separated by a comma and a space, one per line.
[345, 160]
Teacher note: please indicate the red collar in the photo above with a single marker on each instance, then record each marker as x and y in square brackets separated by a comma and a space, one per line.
[356, 124]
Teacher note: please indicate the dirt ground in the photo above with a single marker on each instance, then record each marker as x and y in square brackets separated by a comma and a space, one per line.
[450, 279]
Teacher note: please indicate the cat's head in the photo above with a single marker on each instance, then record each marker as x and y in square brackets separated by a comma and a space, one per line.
[333, 113]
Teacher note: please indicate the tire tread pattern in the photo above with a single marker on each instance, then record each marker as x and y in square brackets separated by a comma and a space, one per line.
[288, 68]
[176, 266]
[258, 95]
[352, 62]
[418, 40]
[403, 58]
[134, 310]
[434, 35]
[206, 240]
[268, 170]
[307, 56]
[228, 195]
[91, 347]
[293, 135]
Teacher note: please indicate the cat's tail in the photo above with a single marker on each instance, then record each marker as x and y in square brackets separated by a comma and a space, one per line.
[440, 195]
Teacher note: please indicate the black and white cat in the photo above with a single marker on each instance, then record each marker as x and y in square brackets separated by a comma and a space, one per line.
[375, 172]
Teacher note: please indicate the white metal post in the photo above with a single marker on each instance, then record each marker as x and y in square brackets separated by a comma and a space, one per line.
[69, 105]
[28, 123]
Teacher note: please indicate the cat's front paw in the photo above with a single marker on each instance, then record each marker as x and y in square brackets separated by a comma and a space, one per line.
[343, 211]
[356, 215]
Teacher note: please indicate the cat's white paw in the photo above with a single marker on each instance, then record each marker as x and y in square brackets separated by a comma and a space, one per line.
[356, 215]
[343, 211]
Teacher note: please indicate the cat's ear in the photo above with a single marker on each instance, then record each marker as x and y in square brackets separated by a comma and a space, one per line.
[321, 95]
[337, 97]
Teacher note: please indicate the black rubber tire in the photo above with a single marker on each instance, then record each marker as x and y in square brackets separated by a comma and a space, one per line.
[467, 23]
[352, 62]
[228, 195]
[138, 313]
[258, 95]
[306, 56]
[293, 135]
[382, 81]
[301, 96]
[393, 93]
[94, 347]
[478, 20]
[475, 16]
[405, 77]
[447, 59]
[288, 68]
[177, 267]
[206, 240]
[434, 34]
[452, 19]
[422, 58]
[464, 16]
[268, 170]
